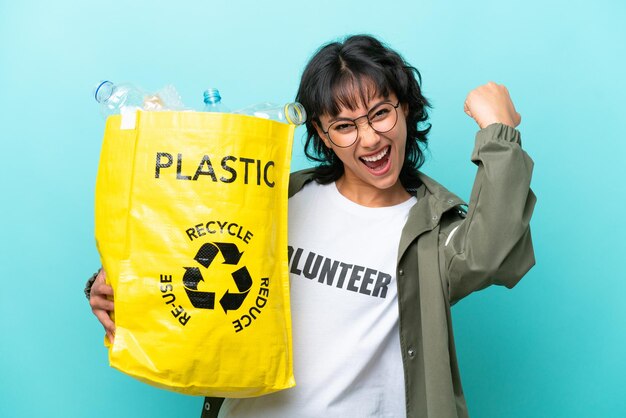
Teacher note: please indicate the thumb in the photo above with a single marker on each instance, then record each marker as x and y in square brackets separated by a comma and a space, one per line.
[466, 110]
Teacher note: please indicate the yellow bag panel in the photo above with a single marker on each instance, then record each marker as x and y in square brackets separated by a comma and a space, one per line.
[191, 225]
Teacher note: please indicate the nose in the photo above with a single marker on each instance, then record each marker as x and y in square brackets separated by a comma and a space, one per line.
[368, 137]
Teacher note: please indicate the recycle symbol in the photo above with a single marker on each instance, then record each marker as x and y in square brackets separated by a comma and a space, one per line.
[230, 301]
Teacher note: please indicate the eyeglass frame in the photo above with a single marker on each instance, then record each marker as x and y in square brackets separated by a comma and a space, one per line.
[369, 122]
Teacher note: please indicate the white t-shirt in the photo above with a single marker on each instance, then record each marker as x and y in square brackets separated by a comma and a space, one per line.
[347, 358]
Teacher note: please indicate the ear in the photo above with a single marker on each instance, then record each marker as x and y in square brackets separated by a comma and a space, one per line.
[321, 134]
[405, 109]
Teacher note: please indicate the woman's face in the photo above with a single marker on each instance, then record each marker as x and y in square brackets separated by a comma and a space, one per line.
[374, 161]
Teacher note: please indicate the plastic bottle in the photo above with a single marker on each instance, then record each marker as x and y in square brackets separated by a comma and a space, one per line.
[115, 98]
[293, 113]
[213, 101]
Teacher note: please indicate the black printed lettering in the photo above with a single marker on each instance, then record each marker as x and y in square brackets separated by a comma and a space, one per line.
[382, 281]
[222, 225]
[355, 277]
[183, 317]
[226, 167]
[230, 231]
[228, 170]
[179, 168]
[200, 229]
[246, 161]
[311, 273]
[329, 269]
[255, 310]
[246, 317]
[159, 165]
[368, 278]
[289, 253]
[209, 169]
[169, 298]
[296, 260]
[191, 233]
[335, 273]
[265, 179]
[342, 274]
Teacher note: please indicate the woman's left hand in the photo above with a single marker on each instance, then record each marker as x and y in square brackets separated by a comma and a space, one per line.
[491, 103]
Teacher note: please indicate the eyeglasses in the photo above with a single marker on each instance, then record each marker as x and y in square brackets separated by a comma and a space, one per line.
[382, 118]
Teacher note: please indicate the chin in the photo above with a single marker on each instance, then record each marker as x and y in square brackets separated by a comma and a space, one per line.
[386, 182]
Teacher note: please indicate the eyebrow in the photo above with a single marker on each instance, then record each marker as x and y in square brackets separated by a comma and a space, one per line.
[335, 119]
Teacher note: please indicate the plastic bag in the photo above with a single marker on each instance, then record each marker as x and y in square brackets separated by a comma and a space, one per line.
[191, 226]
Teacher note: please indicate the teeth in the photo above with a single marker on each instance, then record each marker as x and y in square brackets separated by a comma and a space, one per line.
[374, 158]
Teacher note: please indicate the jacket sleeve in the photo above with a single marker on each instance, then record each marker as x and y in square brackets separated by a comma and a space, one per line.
[493, 245]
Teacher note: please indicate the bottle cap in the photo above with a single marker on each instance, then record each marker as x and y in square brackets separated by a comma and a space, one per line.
[103, 91]
[212, 96]
[295, 113]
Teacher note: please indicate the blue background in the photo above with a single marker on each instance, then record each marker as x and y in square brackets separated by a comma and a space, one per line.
[552, 347]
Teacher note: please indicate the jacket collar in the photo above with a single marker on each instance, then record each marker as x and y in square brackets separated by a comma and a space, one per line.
[439, 198]
[433, 200]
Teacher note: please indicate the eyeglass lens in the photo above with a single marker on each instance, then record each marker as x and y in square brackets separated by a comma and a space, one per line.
[382, 118]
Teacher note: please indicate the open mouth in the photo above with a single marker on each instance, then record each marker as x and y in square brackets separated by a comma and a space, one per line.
[379, 162]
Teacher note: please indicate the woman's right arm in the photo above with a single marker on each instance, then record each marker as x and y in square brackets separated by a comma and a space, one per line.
[101, 302]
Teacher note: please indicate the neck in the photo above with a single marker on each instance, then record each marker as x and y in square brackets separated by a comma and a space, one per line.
[370, 196]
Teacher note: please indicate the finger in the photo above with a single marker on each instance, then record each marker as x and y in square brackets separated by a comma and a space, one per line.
[102, 290]
[101, 277]
[110, 336]
[100, 283]
[466, 110]
[105, 320]
[97, 302]
[101, 303]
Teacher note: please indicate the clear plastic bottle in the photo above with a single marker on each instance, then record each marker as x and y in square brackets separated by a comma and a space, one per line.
[213, 101]
[293, 113]
[115, 98]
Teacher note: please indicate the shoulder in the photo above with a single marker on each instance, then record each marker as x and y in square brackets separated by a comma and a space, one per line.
[438, 194]
[298, 179]
[438, 205]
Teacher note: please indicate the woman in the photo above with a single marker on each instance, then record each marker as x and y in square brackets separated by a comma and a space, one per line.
[378, 251]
